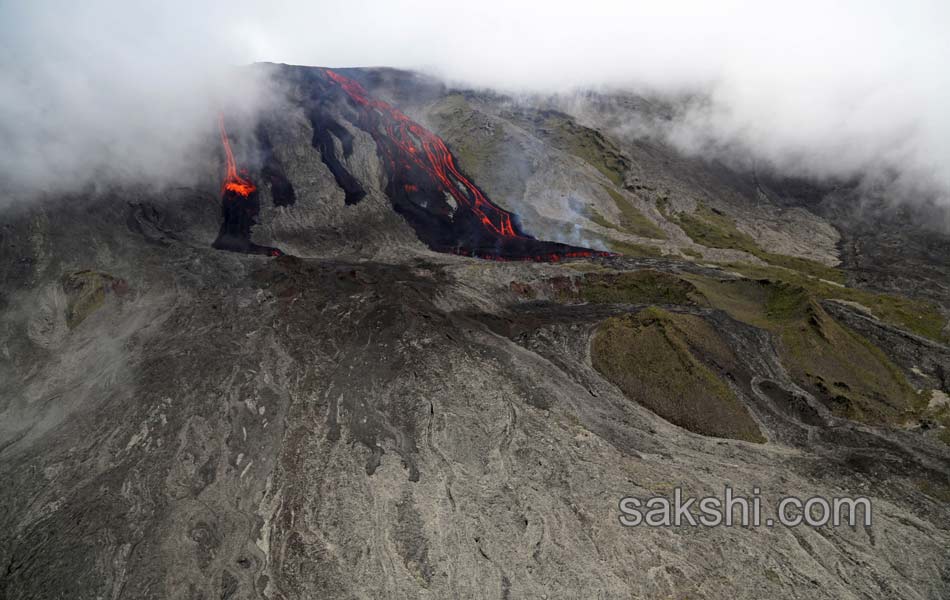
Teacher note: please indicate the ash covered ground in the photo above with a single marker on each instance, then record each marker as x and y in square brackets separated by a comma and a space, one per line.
[372, 414]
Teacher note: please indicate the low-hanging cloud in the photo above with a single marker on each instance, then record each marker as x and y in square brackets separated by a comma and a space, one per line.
[825, 89]
[100, 90]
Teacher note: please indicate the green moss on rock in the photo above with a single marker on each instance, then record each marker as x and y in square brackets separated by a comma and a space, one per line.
[854, 378]
[668, 362]
[630, 249]
[637, 287]
[921, 317]
[632, 221]
[715, 230]
[565, 134]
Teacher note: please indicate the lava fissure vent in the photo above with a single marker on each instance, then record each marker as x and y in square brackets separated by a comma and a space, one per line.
[448, 212]
[240, 206]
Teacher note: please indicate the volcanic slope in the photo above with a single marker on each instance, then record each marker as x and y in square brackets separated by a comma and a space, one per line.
[370, 414]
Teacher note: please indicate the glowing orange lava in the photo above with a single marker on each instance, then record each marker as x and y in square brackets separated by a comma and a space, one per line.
[232, 181]
[428, 152]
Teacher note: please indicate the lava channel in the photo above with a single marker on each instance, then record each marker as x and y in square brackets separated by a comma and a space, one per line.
[447, 210]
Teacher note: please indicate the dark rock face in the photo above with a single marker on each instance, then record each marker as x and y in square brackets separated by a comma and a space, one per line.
[272, 171]
[238, 216]
[448, 212]
[364, 417]
[324, 132]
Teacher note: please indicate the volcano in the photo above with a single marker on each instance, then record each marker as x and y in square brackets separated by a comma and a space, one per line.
[424, 184]
[365, 417]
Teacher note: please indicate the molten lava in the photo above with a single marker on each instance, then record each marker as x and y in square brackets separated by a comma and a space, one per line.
[232, 181]
[447, 210]
[434, 158]
[240, 207]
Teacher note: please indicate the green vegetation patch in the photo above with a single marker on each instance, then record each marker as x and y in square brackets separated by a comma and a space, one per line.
[565, 134]
[668, 363]
[619, 246]
[715, 230]
[632, 221]
[585, 266]
[637, 287]
[854, 378]
[630, 249]
[921, 317]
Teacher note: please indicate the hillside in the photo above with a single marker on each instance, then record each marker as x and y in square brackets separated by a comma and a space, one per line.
[404, 340]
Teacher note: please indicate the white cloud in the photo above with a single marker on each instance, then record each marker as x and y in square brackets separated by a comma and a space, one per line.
[817, 87]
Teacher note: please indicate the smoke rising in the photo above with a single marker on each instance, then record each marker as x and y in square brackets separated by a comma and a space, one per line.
[838, 90]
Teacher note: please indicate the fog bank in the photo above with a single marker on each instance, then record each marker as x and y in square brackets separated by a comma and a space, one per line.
[810, 88]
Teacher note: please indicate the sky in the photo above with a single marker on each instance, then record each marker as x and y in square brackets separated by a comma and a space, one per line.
[819, 88]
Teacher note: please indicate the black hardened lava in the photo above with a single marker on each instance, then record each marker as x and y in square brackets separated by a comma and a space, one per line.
[448, 212]
[324, 130]
[239, 215]
[272, 171]
[240, 206]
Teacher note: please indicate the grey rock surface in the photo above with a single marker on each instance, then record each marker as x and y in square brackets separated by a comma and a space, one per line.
[370, 419]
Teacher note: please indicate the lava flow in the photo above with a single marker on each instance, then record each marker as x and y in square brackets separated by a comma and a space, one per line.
[435, 158]
[239, 207]
[447, 210]
[232, 181]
